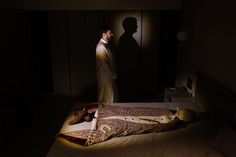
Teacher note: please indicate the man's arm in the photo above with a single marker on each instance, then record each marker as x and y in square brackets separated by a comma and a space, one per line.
[102, 60]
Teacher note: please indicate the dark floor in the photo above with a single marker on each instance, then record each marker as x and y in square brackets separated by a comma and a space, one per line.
[36, 131]
[40, 120]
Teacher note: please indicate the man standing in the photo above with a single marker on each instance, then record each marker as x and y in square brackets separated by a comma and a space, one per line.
[106, 75]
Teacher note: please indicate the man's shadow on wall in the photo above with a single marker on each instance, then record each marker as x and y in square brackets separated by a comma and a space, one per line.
[128, 60]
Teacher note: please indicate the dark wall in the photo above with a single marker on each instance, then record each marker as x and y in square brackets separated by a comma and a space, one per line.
[41, 56]
[77, 34]
[15, 54]
[168, 48]
[25, 54]
[46, 52]
[210, 46]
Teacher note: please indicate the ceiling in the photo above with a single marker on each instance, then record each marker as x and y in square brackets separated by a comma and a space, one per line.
[91, 4]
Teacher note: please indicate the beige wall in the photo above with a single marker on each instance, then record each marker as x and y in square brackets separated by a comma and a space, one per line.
[210, 47]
